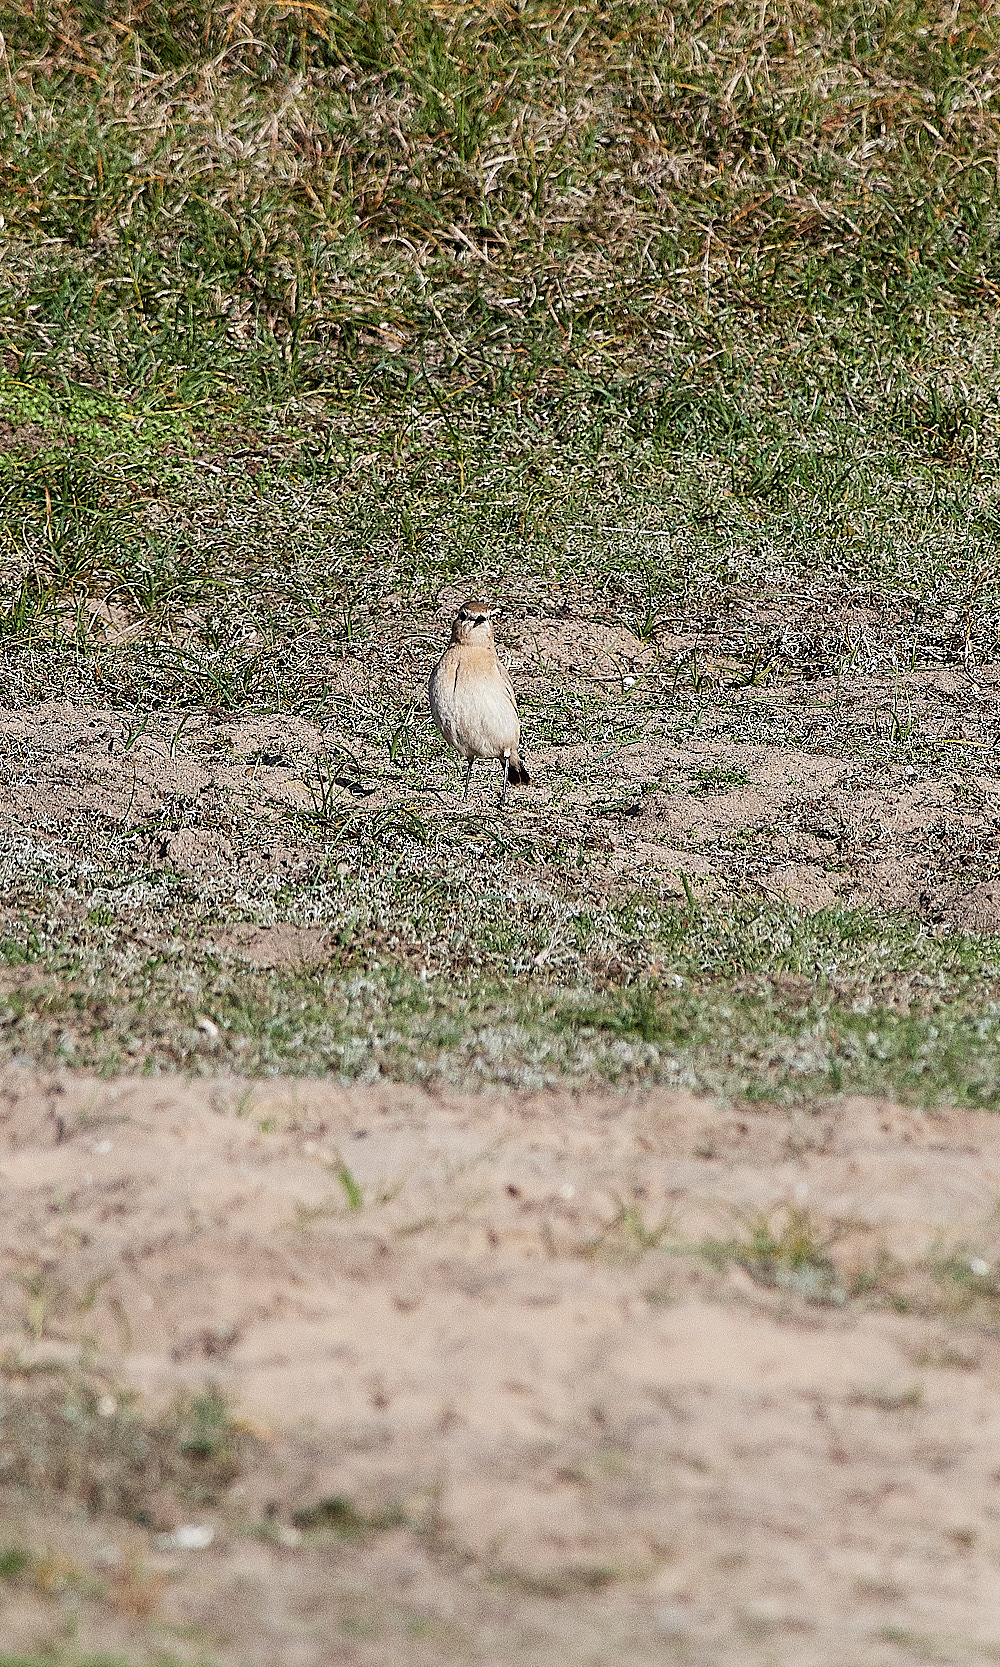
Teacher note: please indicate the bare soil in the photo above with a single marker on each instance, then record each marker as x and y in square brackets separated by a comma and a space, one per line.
[513, 1382]
[543, 1377]
[823, 790]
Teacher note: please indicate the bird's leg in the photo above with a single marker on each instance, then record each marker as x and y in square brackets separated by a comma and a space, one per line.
[468, 778]
[506, 773]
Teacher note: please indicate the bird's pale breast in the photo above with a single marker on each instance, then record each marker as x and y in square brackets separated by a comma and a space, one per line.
[472, 703]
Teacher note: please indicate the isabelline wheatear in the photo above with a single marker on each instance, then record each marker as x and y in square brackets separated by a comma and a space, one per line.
[472, 698]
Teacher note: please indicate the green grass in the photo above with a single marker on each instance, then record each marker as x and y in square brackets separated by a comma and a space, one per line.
[645, 319]
[313, 198]
[62, 1660]
[750, 1001]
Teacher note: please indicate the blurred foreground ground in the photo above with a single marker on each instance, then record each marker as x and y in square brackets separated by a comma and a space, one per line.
[511, 1378]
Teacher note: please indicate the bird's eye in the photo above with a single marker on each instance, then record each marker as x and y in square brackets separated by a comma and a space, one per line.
[480, 619]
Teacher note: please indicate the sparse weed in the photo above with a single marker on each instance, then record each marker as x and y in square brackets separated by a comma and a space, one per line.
[788, 1250]
[718, 778]
[14, 1561]
[967, 1281]
[628, 1235]
[352, 1192]
[339, 1515]
[76, 1439]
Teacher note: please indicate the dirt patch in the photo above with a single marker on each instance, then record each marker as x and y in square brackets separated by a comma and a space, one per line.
[215, 797]
[599, 651]
[194, 851]
[26, 438]
[171, 790]
[277, 946]
[604, 1370]
[979, 908]
[805, 885]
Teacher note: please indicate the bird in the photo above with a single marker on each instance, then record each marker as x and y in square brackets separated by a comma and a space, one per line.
[472, 699]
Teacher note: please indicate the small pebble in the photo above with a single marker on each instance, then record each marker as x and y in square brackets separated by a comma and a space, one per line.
[672, 1621]
[190, 1536]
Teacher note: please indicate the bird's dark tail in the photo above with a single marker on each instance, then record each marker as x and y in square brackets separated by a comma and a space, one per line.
[518, 775]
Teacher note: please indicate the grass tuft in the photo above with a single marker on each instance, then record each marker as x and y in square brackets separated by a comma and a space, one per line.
[98, 1449]
[791, 1253]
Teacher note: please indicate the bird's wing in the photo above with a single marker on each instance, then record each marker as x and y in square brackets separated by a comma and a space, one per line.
[507, 685]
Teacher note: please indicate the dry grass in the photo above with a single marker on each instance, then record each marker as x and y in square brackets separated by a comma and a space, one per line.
[315, 196]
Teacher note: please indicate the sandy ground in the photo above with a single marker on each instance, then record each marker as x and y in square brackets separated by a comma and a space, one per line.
[508, 1330]
[771, 788]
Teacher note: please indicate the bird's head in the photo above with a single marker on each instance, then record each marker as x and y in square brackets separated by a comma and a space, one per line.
[473, 624]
